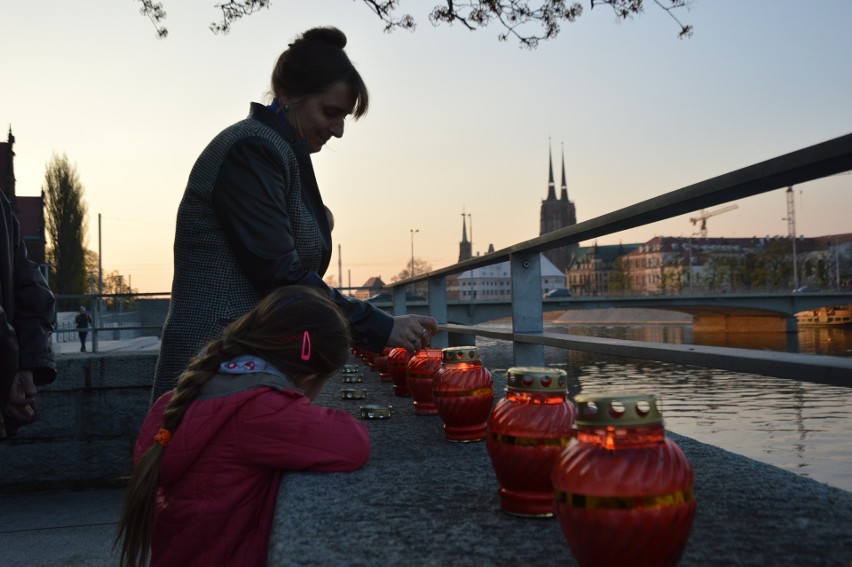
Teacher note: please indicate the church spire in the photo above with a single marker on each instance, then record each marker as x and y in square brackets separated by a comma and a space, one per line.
[464, 227]
[564, 195]
[465, 246]
[551, 190]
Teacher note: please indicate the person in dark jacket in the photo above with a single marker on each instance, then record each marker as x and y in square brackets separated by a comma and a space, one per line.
[26, 312]
[83, 322]
[252, 218]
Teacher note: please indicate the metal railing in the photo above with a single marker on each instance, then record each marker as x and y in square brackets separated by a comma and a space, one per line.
[527, 335]
[115, 316]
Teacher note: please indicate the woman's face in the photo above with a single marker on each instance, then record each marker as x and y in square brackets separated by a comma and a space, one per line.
[318, 117]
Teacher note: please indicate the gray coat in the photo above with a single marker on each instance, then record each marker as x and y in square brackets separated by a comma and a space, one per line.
[251, 219]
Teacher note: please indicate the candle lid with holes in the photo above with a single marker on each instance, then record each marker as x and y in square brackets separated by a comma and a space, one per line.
[353, 393]
[613, 408]
[460, 354]
[536, 379]
[374, 411]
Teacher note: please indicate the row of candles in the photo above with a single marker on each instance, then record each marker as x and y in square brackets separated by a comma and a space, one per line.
[621, 490]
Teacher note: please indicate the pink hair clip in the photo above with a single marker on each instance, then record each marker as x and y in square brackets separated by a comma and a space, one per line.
[306, 346]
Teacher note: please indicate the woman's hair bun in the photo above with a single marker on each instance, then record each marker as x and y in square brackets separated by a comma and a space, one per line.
[326, 35]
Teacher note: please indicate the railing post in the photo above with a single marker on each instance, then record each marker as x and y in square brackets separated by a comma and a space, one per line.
[437, 297]
[399, 306]
[96, 321]
[527, 318]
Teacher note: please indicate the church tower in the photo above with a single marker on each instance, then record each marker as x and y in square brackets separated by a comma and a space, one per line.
[465, 246]
[556, 214]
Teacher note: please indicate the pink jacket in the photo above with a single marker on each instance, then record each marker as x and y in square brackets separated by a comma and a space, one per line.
[220, 473]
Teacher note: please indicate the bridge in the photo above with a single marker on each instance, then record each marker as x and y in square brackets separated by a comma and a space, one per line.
[728, 312]
[720, 312]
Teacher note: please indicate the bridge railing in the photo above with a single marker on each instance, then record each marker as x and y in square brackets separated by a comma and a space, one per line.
[527, 335]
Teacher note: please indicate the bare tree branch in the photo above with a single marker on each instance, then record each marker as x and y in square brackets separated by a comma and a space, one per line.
[517, 17]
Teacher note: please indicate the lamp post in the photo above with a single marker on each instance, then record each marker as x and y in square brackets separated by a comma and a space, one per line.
[413, 232]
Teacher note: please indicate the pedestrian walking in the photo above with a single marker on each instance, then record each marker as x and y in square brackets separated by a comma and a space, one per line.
[83, 321]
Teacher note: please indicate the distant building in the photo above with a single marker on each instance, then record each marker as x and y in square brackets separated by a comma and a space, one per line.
[494, 282]
[29, 210]
[593, 271]
[556, 214]
[374, 285]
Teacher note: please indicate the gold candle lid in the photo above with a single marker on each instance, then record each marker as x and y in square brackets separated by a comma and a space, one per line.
[536, 379]
[613, 408]
[374, 411]
[353, 393]
[460, 354]
[349, 378]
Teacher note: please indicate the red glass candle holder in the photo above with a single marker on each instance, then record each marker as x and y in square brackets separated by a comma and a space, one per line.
[527, 430]
[397, 366]
[622, 489]
[366, 356]
[381, 362]
[463, 392]
[421, 374]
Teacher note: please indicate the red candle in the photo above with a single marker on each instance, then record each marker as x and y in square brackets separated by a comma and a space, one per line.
[381, 362]
[622, 489]
[527, 430]
[397, 367]
[421, 374]
[463, 393]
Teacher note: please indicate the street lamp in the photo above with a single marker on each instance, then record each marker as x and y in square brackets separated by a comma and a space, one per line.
[413, 232]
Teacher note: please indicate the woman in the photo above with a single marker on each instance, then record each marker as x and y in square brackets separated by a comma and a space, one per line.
[252, 218]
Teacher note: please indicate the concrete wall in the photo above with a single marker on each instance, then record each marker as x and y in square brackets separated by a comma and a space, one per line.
[88, 422]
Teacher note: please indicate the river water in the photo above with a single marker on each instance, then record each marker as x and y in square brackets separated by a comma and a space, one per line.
[803, 427]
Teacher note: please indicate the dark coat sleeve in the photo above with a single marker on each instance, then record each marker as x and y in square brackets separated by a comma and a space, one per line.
[26, 313]
[250, 203]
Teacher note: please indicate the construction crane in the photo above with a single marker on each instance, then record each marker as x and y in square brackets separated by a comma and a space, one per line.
[704, 215]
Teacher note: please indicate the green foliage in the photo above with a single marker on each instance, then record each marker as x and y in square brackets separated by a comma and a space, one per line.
[619, 277]
[65, 222]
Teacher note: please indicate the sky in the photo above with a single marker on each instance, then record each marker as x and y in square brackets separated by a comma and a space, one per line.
[458, 120]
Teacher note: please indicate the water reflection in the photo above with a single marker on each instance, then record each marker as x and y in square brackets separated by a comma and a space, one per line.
[794, 425]
[834, 342]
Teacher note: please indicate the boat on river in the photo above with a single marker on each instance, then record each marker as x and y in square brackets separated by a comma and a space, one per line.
[834, 316]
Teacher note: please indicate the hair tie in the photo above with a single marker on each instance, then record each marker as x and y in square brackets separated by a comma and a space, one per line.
[163, 437]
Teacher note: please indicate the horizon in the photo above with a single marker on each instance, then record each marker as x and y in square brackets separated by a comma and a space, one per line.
[456, 119]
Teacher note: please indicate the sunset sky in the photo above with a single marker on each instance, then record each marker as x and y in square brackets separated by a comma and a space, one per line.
[458, 120]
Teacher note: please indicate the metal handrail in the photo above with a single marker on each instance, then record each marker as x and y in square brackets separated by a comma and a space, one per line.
[528, 337]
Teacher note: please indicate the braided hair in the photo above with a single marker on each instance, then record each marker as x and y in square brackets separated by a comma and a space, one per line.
[275, 330]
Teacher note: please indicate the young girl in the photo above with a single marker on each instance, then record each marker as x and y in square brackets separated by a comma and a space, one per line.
[211, 453]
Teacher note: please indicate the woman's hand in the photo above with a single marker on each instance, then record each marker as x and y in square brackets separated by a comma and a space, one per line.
[412, 332]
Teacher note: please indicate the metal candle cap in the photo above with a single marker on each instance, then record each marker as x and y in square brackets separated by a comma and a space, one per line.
[536, 379]
[353, 393]
[349, 378]
[460, 354]
[374, 411]
[613, 408]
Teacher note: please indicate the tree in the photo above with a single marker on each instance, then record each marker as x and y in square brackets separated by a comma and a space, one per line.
[66, 226]
[420, 267]
[619, 277]
[515, 16]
